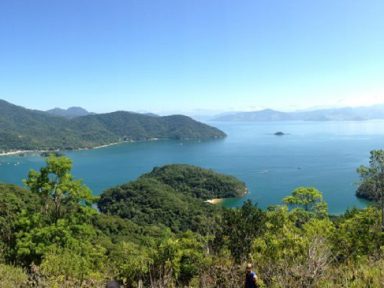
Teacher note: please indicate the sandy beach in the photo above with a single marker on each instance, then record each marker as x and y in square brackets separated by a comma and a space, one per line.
[103, 146]
[16, 152]
[214, 201]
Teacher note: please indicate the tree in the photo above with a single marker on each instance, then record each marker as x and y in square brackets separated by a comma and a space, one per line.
[309, 199]
[288, 255]
[280, 247]
[57, 189]
[14, 201]
[359, 234]
[65, 217]
[74, 266]
[131, 262]
[372, 179]
[240, 227]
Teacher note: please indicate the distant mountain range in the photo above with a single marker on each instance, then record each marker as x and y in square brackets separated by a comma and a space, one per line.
[71, 112]
[25, 129]
[339, 114]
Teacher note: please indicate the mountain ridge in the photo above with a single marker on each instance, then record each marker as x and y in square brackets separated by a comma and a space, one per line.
[71, 112]
[330, 114]
[26, 129]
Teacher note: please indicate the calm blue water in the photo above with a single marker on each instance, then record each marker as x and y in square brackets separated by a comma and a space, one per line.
[320, 154]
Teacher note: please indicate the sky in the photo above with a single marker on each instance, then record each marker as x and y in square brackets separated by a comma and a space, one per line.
[185, 56]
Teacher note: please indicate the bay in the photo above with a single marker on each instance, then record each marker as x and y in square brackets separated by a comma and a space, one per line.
[320, 154]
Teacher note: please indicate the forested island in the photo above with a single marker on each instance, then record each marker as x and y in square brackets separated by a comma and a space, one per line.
[172, 195]
[158, 231]
[25, 129]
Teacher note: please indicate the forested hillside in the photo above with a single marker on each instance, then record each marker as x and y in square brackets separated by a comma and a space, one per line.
[198, 182]
[51, 235]
[173, 196]
[24, 129]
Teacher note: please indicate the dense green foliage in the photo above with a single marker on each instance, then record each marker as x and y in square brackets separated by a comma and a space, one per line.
[372, 181]
[13, 277]
[13, 202]
[295, 244]
[24, 129]
[172, 195]
[198, 182]
[372, 177]
[309, 200]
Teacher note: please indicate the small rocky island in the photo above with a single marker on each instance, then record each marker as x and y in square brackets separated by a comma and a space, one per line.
[279, 133]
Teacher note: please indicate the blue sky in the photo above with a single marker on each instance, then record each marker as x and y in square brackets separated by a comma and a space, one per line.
[172, 56]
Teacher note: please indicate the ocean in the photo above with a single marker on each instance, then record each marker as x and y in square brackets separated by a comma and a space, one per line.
[324, 155]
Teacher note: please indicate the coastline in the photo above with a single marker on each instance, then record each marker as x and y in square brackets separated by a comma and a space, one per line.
[18, 152]
[101, 146]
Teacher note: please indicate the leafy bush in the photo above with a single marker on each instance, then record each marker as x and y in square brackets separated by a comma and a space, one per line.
[11, 276]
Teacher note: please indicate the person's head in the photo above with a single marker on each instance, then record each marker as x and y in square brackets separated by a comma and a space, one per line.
[249, 268]
[112, 284]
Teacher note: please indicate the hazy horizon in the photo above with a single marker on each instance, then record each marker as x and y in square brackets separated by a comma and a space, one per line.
[192, 57]
[204, 113]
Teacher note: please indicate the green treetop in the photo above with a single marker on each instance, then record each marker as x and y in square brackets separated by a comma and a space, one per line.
[57, 189]
[309, 199]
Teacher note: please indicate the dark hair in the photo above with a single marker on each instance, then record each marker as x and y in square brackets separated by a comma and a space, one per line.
[112, 284]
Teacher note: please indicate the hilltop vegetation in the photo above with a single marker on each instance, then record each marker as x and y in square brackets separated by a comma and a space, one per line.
[172, 195]
[51, 236]
[24, 129]
[198, 182]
